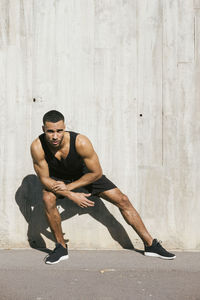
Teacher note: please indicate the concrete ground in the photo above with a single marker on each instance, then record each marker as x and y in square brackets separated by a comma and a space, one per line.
[99, 275]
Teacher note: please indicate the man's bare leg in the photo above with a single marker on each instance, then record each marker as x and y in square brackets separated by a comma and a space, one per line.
[53, 216]
[129, 213]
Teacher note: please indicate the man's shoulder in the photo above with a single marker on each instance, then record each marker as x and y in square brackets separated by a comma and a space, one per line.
[82, 139]
[36, 143]
[83, 145]
[36, 147]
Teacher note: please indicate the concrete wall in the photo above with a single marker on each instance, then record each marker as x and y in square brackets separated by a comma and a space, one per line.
[126, 74]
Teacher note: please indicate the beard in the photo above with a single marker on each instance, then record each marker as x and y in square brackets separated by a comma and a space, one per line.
[55, 143]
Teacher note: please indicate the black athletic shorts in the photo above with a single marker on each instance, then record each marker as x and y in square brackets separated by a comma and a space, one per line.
[95, 188]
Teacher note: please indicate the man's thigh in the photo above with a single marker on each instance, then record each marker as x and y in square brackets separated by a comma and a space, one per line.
[114, 195]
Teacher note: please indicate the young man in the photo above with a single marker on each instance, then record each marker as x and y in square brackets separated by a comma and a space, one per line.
[66, 161]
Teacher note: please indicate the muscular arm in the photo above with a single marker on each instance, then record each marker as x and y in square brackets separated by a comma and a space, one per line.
[42, 169]
[85, 149]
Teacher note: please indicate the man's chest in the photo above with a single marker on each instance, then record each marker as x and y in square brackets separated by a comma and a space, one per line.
[62, 153]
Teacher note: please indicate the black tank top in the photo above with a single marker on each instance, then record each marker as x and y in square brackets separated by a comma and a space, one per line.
[71, 168]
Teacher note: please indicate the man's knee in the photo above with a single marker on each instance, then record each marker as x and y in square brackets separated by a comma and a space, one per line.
[49, 200]
[123, 202]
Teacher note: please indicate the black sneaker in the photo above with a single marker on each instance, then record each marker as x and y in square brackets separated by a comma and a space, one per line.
[156, 250]
[58, 254]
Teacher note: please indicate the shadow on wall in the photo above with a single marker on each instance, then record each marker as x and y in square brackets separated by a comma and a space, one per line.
[29, 199]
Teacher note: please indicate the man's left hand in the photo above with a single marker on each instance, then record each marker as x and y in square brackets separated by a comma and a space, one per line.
[59, 186]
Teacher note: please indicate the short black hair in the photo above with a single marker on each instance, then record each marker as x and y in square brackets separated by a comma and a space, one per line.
[53, 116]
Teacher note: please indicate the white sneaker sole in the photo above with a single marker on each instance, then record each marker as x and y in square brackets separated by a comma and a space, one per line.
[65, 257]
[157, 255]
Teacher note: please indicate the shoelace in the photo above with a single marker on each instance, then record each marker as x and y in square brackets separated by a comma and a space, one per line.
[159, 244]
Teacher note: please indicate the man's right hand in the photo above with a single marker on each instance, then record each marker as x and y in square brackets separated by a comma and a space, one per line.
[80, 199]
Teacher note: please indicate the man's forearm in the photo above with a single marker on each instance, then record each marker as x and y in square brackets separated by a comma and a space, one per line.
[83, 181]
[49, 184]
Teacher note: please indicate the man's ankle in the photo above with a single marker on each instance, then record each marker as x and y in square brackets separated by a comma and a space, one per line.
[148, 243]
[62, 243]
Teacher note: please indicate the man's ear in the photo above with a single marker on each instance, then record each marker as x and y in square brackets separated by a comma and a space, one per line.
[43, 128]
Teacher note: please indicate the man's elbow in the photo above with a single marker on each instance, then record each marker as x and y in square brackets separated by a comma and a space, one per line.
[99, 174]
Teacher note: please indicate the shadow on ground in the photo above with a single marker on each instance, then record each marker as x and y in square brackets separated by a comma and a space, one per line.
[29, 199]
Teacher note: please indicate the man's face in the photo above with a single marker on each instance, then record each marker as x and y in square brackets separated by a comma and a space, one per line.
[54, 133]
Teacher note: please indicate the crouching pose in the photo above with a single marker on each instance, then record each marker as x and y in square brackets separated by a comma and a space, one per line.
[66, 161]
